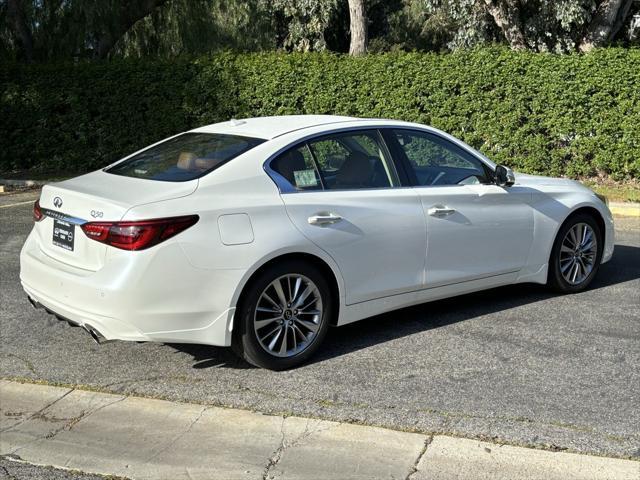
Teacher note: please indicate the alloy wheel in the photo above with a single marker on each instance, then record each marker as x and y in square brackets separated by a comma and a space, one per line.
[578, 253]
[288, 315]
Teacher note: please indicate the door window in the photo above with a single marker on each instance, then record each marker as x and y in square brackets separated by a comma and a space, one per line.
[436, 161]
[353, 160]
[344, 161]
[297, 167]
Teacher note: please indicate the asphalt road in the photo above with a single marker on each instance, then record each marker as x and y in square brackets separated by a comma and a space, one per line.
[516, 364]
[10, 470]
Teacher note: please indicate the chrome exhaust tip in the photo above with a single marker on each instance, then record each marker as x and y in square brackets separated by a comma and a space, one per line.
[96, 335]
[33, 303]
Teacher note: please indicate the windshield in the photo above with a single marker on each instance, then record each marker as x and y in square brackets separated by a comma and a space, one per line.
[185, 157]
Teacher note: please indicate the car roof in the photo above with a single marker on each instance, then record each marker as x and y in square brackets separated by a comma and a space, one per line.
[271, 127]
[281, 132]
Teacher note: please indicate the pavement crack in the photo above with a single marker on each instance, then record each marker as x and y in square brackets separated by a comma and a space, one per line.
[39, 412]
[179, 436]
[72, 422]
[414, 467]
[69, 424]
[30, 366]
[277, 454]
[284, 445]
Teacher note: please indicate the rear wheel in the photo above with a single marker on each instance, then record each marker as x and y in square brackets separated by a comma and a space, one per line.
[576, 254]
[284, 316]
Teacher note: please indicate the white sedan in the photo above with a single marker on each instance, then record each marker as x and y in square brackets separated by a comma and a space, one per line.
[261, 233]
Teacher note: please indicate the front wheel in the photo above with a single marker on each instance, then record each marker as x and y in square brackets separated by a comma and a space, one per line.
[284, 316]
[576, 254]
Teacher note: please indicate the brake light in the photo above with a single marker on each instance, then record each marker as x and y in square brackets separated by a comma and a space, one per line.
[137, 235]
[37, 212]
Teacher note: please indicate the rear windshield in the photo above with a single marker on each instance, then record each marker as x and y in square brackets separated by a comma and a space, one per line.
[185, 157]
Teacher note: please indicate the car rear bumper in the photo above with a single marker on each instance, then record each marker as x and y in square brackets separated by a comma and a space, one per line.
[105, 327]
[152, 295]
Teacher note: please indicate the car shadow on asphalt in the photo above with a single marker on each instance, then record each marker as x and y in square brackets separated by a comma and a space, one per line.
[624, 267]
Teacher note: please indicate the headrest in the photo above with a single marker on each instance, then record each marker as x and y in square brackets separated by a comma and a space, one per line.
[186, 161]
[356, 171]
[205, 163]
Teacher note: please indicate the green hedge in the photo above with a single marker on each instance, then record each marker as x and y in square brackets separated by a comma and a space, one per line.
[575, 115]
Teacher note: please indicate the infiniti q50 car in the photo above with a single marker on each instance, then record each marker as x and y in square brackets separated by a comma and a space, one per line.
[261, 233]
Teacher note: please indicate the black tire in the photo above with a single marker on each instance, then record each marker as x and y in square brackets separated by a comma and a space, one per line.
[555, 278]
[245, 339]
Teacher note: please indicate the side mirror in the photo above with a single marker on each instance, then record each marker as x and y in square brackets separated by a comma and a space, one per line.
[504, 176]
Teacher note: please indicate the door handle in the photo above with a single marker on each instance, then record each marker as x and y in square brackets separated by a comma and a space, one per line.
[440, 211]
[321, 219]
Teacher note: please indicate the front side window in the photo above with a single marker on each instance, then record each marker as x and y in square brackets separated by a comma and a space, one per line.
[436, 161]
[184, 157]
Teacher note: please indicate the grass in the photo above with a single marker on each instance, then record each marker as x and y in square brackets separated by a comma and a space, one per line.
[616, 192]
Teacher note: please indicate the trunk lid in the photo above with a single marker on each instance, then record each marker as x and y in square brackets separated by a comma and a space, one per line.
[97, 196]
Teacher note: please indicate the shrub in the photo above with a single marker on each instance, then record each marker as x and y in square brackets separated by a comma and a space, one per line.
[574, 115]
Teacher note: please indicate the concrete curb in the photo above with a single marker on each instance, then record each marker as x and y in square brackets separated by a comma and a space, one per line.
[145, 438]
[626, 209]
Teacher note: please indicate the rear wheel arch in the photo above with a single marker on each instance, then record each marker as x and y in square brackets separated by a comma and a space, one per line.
[328, 273]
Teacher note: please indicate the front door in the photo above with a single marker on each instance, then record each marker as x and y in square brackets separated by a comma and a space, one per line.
[475, 229]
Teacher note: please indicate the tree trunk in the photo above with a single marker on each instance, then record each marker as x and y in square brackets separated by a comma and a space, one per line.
[17, 22]
[130, 12]
[358, 27]
[606, 22]
[508, 19]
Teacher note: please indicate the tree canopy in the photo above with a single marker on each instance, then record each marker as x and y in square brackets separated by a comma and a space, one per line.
[49, 30]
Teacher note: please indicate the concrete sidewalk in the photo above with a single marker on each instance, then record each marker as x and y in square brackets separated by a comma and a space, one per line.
[146, 438]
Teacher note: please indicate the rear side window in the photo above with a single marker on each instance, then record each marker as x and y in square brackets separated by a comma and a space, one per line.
[352, 161]
[296, 165]
[185, 157]
[342, 161]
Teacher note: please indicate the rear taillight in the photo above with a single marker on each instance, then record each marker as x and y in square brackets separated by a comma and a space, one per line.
[37, 212]
[137, 235]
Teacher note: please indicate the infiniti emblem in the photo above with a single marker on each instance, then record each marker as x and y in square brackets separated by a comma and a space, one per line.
[57, 202]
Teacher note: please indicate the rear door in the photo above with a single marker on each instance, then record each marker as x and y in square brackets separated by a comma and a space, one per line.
[347, 201]
[475, 229]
